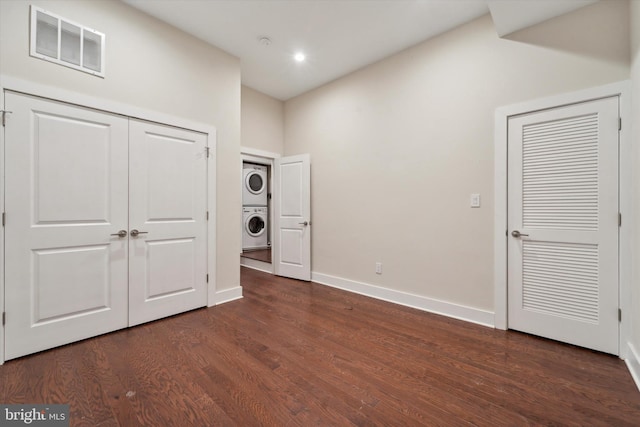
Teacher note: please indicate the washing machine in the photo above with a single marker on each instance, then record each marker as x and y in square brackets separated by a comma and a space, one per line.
[254, 185]
[254, 227]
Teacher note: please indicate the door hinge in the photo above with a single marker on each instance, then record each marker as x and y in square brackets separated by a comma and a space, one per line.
[4, 218]
[207, 215]
[4, 318]
[4, 116]
[207, 277]
[619, 315]
[619, 123]
[619, 219]
[206, 151]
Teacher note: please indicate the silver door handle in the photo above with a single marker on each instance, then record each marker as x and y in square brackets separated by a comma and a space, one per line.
[516, 233]
[304, 223]
[121, 233]
[135, 233]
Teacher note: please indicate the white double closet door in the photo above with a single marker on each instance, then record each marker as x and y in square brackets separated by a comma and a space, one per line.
[79, 182]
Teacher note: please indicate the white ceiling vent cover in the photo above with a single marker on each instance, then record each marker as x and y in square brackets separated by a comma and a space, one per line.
[64, 42]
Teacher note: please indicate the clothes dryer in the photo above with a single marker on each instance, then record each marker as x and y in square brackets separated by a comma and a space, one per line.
[254, 185]
[254, 227]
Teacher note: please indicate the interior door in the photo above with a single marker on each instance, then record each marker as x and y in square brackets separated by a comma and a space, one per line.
[292, 207]
[167, 221]
[66, 200]
[563, 224]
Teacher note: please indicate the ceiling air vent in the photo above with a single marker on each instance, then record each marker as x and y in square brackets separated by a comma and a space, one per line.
[64, 42]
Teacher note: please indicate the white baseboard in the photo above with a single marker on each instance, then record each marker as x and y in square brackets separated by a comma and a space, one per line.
[461, 312]
[633, 363]
[228, 295]
[265, 267]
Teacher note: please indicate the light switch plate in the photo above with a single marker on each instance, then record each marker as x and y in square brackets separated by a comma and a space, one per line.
[475, 200]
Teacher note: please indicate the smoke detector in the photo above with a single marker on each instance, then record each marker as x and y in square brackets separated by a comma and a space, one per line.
[264, 41]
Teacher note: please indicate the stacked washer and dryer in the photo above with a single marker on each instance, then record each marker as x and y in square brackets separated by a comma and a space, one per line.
[255, 211]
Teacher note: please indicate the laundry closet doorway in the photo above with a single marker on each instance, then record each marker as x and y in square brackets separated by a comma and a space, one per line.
[257, 211]
[106, 222]
[289, 214]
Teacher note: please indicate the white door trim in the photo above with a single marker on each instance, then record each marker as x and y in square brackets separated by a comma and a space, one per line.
[502, 114]
[260, 156]
[58, 94]
[2, 310]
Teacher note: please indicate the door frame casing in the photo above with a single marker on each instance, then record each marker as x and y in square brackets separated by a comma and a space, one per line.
[2, 143]
[625, 202]
[114, 107]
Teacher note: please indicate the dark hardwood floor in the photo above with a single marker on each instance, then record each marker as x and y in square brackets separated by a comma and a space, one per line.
[294, 353]
[263, 255]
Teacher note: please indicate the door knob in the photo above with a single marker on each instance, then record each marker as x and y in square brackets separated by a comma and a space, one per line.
[135, 233]
[304, 223]
[121, 233]
[516, 233]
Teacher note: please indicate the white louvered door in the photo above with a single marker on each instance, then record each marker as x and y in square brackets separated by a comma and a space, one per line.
[563, 199]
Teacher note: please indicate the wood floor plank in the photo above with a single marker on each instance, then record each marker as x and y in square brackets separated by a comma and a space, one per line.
[384, 340]
[541, 382]
[292, 353]
[435, 390]
[328, 358]
[72, 385]
[130, 396]
[181, 366]
[249, 365]
[108, 408]
[326, 397]
[263, 255]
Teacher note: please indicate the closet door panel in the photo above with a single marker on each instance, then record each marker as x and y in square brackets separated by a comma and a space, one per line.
[167, 270]
[66, 200]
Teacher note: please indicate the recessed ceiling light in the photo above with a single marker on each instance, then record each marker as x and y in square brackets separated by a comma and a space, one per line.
[299, 57]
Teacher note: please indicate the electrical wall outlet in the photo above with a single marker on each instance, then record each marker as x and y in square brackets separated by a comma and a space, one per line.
[378, 268]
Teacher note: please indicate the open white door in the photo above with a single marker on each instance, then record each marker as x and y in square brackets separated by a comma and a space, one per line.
[563, 224]
[292, 208]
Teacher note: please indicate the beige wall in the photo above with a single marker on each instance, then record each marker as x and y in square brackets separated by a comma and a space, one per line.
[398, 147]
[262, 121]
[635, 81]
[154, 66]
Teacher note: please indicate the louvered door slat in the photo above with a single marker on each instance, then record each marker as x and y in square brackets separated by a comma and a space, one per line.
[546, 268]
[549, 209]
